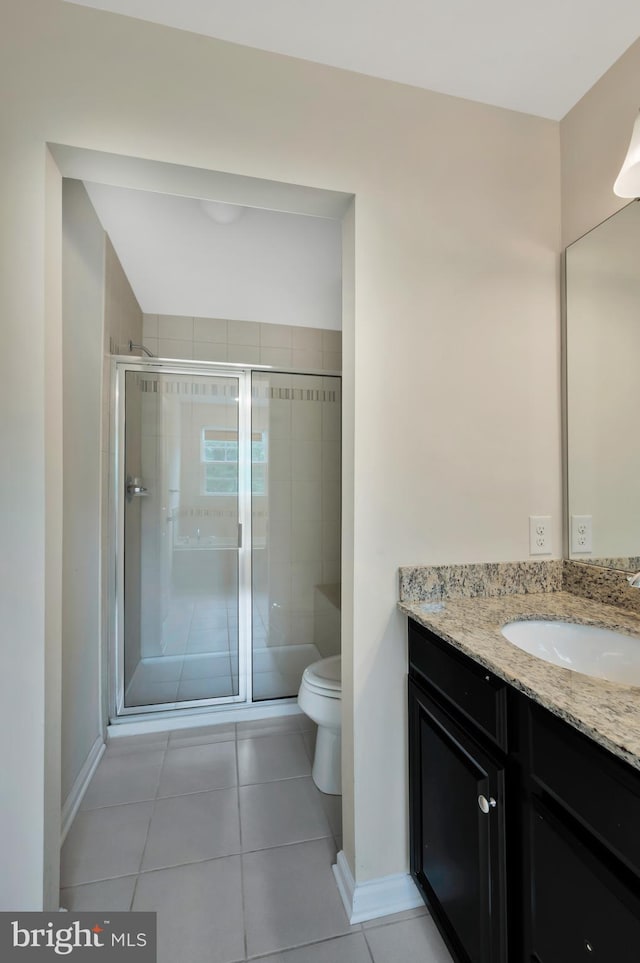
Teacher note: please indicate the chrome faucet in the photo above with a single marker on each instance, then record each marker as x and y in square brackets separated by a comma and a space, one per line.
[634, 580]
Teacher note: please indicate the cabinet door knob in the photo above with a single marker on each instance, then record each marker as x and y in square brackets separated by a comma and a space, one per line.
[486, 804]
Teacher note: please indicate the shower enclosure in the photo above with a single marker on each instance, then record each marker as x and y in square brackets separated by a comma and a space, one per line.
[227, 485]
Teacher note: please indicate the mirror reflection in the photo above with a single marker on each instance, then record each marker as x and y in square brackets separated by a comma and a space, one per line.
[603, 392]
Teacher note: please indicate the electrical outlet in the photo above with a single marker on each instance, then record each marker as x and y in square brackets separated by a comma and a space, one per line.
[540, 534]
[581, 534]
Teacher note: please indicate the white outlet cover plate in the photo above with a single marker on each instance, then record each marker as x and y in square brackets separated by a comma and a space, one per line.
[581, 534]
[540, 534]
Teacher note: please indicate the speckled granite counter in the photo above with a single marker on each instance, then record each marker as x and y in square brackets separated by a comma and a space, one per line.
[608, 712]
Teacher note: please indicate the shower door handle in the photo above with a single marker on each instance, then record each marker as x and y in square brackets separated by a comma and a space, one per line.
[135, 488]
[239, 534]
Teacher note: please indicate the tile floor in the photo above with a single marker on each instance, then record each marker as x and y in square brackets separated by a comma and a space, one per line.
[222, 832]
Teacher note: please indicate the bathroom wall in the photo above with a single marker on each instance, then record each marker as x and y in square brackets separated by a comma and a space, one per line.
[83, 288]
[594, 138]
[296, 525]
[450, 365]
[122, 313]
[244, 342]
[100, 312]
[122, 324]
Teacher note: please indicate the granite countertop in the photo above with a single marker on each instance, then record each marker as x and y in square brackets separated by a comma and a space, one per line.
[607, 712]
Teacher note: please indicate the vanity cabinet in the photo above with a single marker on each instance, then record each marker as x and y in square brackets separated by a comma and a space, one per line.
[525, 834]
[581, 846]
[457, 733]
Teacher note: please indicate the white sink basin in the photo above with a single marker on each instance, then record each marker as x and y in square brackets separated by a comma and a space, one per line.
[602, 653]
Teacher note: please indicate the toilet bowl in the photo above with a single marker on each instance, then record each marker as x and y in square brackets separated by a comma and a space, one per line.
[320, 698]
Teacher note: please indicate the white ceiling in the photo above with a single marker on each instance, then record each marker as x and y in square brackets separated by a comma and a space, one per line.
[536, 56]
[269, 266]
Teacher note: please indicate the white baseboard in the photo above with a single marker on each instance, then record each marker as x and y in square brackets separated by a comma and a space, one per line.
[376, 897]
[72, 803]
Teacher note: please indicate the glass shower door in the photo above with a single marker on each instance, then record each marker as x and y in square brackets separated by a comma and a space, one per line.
[295, 502]
[183, 474]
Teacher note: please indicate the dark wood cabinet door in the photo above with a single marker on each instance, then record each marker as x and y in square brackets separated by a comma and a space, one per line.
[457, 832]
[581, 911]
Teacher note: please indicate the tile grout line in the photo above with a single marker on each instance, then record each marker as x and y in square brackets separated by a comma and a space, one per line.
[146, 838]
[366, 941]
[241, 855]
[301, 946]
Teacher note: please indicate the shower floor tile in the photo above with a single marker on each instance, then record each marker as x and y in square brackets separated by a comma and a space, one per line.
[205, 666]
[215, 688]
[208, 669]
[208, 640]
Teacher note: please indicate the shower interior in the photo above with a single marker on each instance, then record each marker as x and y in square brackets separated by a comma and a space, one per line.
[227, 485]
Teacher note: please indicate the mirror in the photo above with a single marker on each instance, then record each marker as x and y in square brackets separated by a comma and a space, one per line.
[602, 350]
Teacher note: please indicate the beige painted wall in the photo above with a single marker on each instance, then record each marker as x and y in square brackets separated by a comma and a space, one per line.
[83, 285]
[451, 360]
[594, 138]
[99, 311]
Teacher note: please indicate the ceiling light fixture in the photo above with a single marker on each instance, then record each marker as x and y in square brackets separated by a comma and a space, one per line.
[222, 213]
[628, 180]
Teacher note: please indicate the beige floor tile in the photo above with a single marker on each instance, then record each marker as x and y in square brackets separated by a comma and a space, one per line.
[291, 897]
[272, 757]
[199, 909]
[343, 949]
[111, 895]
[104, 843]
[198, 826]
[198, 768]
[124, 778]
[277, 813]
[413, 939]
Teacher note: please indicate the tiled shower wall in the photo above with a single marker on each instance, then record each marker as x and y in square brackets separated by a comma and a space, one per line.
[243, 342]
[296, 523]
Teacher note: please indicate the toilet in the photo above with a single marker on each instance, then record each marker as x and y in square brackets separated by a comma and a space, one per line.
[320, 698]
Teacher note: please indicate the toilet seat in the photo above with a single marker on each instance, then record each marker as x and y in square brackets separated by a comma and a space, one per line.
[324, 677]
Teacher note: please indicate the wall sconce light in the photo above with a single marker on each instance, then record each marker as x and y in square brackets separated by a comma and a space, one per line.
[628, 180]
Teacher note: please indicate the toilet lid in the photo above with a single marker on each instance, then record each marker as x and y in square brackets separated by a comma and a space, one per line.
[325, 674]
